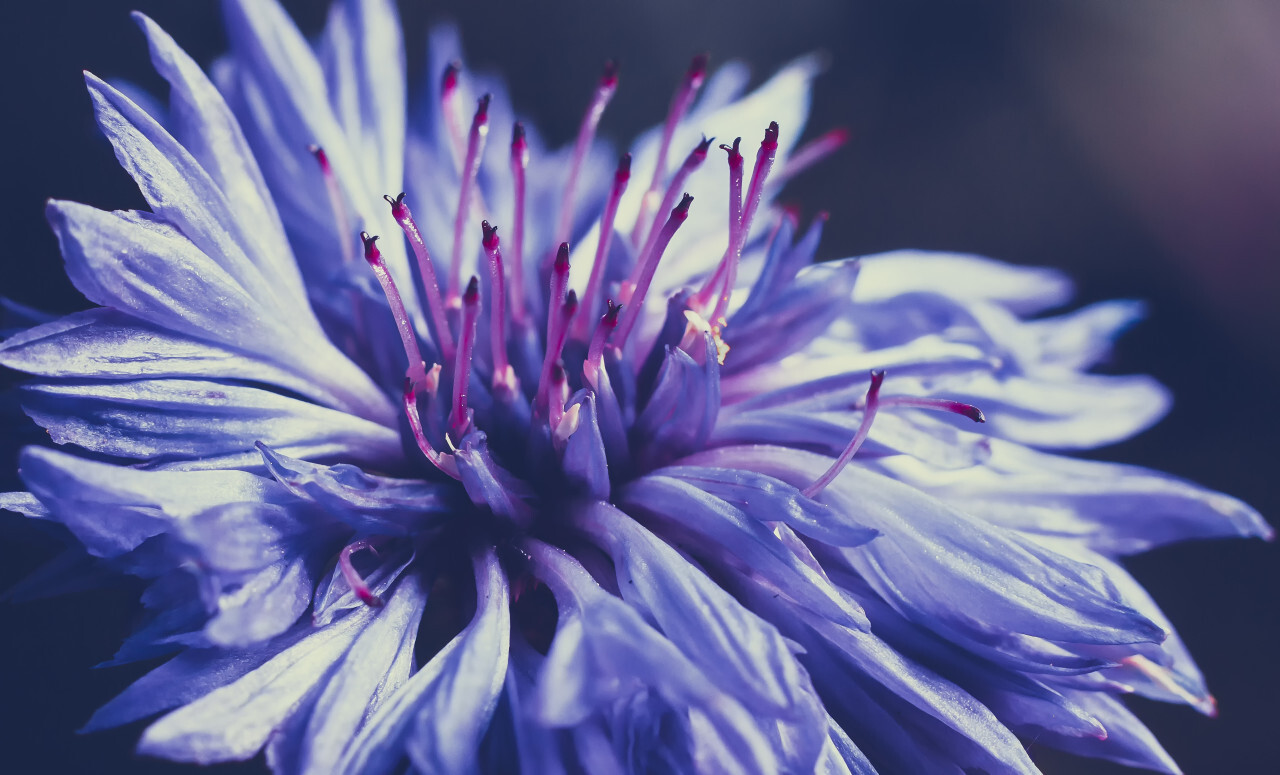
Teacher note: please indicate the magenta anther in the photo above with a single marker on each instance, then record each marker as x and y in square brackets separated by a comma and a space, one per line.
[475, 150]
[595, 352]
[869, 414]
[504, 377]
[460, 415]
[680, 102]
[430, 283]
[519, 165]
[353, 577]
[691, 163]
[604, 92]
[417, 371]
[582, 326]
[645, 277]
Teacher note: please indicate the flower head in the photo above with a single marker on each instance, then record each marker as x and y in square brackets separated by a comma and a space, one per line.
[516, 458]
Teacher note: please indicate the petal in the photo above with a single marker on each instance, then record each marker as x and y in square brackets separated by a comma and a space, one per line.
[1087, 411]
[604, 652]
[840, 376]
[682, 410]
[113, 509]
[721, 533]
[491, 486]
[1128, 741]
[138, 264]
[190, 424]
[368, 503]
[363, 59]
[960, 276]
[951, 572]
[929, 707]
[740, 653]
[378, 664]
[1078, 340]
[178, 189]
[234, 721]
[286, 97]
[265, 605]
[1114, 509]
[202, 122]
[585, 463]
[441, 713]
[801, 312]
[107, 344]
[772, 500]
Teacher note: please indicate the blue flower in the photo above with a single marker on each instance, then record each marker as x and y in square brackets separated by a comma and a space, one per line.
[649, 491]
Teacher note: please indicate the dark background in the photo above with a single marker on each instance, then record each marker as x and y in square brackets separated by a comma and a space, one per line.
[1135, 144]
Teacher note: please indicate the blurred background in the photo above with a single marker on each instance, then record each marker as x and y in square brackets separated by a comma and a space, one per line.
[1134, 144]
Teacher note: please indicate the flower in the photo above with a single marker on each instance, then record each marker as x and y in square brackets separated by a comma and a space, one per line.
[743, 521]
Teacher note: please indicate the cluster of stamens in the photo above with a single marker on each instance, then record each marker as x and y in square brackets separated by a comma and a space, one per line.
[452, 312]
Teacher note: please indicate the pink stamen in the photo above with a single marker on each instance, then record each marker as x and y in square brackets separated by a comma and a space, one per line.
[869, 414]
[704, 295]
[811, 153]
[620, 178]
[519, 164]
[764, 163]
[475, 150]
[558, 319]
[353, 576]
[504, 377]
[558, 395]
[1164, 678]
[451, 110]
[595, 352]
[342, 221]
[430, 283]
[417, 371]
[460, 416]
[691, 163]
[586, 133]
[678, 216]
[935, 404]
[445, 463]
[680, 103]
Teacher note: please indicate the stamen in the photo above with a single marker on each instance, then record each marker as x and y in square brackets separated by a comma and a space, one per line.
[430, 284]
[697, 328]
[678, 216]
[558, 395]
[680, 103]
[475, 149]
[872, 404]
[519, 164]
[353, 576]
[811, 153]
[1163, 677]
[704, 295]
[586, 133]
[451, 111]
[764, 163]
[936, 404]
[504, 377]
[445, 463]
[595, 352]
[691, 163]
[460, 416]
[417, 369]
[620, 178]
[564, 427]
[341, 219]
[558, 319]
